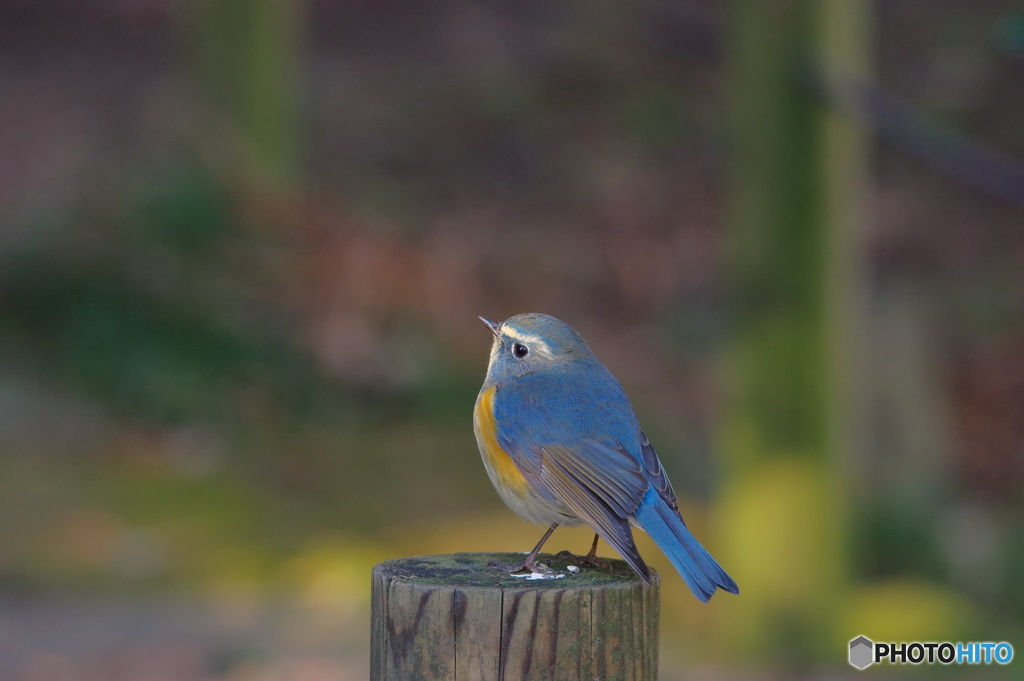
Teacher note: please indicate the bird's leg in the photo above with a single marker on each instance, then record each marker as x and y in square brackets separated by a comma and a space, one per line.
[590, 559]
[529, 562]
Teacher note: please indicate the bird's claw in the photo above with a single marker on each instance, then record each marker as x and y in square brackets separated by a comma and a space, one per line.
[589, 559]
[532, 566]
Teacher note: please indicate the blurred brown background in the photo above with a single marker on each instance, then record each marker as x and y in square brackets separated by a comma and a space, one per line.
[244, 246]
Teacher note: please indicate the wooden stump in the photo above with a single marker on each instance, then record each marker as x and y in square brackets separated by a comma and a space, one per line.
[452, 617]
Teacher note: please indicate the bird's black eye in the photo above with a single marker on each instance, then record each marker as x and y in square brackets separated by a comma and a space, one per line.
[519, 350]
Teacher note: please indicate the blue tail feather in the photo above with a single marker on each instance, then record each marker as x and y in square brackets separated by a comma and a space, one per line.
[702, 573]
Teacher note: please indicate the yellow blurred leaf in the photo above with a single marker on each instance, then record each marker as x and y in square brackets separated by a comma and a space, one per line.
[906, 610]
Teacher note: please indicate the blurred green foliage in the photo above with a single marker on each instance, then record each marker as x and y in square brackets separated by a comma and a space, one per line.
[122, 314]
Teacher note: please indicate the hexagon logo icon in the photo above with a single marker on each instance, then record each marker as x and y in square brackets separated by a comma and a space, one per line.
[861, 652]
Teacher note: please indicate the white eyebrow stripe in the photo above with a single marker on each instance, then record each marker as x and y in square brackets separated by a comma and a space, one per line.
[533, 341]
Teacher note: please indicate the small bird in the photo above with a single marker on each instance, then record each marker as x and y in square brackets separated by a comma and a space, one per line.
[562, 446]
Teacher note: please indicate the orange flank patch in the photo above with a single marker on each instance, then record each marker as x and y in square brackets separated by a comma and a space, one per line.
[500, 463]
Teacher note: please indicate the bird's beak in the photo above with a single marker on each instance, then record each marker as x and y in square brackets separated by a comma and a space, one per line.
[493, 326]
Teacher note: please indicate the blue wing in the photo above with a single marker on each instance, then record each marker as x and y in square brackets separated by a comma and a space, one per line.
[564, 445]
[576, 438]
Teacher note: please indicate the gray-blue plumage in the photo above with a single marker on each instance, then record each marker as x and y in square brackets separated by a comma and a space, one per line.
[571, 431]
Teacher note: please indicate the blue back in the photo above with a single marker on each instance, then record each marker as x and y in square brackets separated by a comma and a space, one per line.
[546, 407]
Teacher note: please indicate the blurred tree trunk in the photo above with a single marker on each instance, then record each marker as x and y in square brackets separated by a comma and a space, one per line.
[245, 55]
[797, 186]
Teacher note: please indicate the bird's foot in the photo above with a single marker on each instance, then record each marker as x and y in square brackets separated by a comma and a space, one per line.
[589, 559]
[528, 564]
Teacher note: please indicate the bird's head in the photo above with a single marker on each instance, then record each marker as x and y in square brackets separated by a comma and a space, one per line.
[532, 342]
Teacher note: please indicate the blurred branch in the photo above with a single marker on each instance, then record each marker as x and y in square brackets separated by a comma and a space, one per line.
[797, 179]
[245, 53]
[914, 132]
